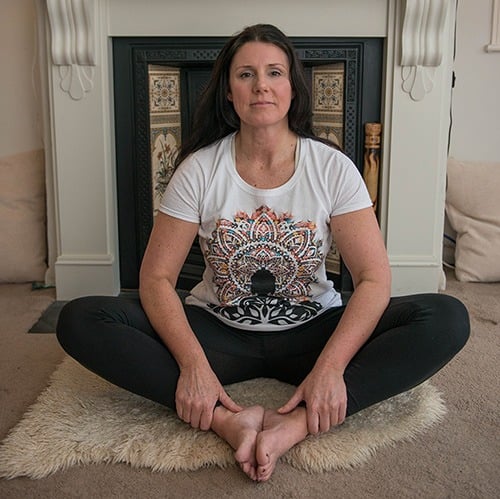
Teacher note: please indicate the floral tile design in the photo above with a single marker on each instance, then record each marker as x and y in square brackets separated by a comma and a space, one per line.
[164, 90]
[328, 101]
[165, 126]
[328, 90]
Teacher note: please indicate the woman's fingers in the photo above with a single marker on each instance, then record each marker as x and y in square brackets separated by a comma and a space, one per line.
[322, 419]
[326, 422]
[199, 414]
[312, 421]
[229, 403]
[292, 403]
[205, 421]
[195, 417]
[342, 413]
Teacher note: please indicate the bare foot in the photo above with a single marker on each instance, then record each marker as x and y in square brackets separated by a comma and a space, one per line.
[239, 430]
[279, 434]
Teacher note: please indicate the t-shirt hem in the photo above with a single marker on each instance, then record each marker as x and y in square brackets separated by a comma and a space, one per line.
[262, 327]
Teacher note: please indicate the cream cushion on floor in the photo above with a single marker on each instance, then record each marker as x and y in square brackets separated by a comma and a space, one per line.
[473, 210]
[23, 248]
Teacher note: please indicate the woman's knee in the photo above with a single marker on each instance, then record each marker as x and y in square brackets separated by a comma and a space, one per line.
[452, 319]
[73, 320]
[439, 323]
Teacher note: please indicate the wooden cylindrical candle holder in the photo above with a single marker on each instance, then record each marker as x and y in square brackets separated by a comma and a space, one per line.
[371, 165]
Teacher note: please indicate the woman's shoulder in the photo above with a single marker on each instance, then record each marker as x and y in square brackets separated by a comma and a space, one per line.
[319, 149]
[206, 155]
[216, 145]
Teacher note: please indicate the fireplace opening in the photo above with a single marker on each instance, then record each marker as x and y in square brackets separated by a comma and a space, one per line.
[156, 85]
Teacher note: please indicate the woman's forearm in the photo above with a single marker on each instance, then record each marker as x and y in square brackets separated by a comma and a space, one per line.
[169, 244]
[359, 240]
[361, 315]
[166, 314]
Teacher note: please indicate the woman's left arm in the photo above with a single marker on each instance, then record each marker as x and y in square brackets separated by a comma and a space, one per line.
[358, 238]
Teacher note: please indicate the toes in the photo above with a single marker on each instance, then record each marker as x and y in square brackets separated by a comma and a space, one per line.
[265, 466]
[249, 470]
[264, 472]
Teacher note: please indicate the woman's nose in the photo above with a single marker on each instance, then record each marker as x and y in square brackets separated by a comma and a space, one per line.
[260, 84]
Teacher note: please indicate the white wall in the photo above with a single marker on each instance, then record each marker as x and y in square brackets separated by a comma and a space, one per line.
[476, 97]
[20, 107]
[475, 107]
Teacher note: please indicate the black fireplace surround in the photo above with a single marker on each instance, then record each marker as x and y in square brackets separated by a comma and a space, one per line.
[363, 60]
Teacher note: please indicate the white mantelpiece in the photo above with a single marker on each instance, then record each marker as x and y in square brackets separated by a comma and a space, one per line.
[416, 100]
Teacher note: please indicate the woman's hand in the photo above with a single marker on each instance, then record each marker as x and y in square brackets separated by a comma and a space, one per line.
[198, 391]
[325, 395]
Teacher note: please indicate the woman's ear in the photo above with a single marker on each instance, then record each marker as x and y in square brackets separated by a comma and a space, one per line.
[230, 97]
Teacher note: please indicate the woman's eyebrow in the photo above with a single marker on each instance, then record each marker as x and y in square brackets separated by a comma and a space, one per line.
[272, 64]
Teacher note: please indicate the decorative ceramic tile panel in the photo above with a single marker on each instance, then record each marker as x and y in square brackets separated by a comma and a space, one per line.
[165, 126]
[328, 101]
[164, 90]
[328, 85]
[328, 121]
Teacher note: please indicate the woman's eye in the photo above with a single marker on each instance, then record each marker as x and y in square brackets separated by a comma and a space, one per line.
[245, 74]
[275, 72]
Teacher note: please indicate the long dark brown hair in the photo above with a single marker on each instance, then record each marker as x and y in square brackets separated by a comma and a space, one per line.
[215, 116]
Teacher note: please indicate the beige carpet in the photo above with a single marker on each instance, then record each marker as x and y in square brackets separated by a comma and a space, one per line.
[458, 458]
[82, 419]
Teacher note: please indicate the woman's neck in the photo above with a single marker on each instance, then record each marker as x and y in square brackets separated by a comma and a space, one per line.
[265, 160]
[266, 148]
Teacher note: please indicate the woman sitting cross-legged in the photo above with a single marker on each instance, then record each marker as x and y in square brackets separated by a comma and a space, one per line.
[265, 197]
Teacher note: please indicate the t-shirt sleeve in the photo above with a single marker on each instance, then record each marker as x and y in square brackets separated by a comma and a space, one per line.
[182, 195]
[350, 192]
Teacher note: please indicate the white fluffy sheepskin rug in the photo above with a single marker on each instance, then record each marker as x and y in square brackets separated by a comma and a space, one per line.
[82, 419]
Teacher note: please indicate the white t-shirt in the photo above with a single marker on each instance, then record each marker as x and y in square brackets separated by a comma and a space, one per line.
[264, 249]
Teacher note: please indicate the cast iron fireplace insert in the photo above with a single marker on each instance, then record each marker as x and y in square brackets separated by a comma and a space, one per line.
[362, 59]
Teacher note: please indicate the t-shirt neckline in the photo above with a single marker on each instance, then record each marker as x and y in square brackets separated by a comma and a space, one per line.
[274, 190]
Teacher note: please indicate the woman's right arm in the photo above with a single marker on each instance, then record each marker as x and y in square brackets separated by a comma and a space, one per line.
[198, 388]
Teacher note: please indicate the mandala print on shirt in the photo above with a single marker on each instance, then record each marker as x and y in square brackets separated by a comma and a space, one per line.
[263, 265]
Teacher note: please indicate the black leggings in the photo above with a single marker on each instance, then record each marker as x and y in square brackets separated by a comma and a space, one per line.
[416, 336]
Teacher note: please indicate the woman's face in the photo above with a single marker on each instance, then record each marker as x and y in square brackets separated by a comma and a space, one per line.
[259, 85]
